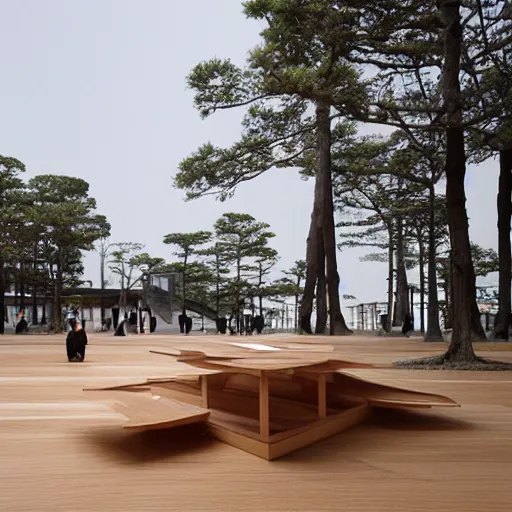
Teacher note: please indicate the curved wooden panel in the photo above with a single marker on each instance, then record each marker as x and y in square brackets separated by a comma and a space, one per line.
[134, 386]
[380, 395]
[153, 412]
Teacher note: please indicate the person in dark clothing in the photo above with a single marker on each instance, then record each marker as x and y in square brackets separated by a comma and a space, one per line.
[121, 329]
[407, 327]
[76, 342]
[22, 325]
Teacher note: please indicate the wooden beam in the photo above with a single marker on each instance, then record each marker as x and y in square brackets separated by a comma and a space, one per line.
[264, 416]
[240, 441]
[322, 396]
[204, 390]
[321, 430]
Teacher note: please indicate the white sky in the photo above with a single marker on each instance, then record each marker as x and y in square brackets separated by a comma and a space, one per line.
[96, 89]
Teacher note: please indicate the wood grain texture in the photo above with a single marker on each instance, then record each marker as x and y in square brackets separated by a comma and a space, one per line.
[51, 434]
[152, 412]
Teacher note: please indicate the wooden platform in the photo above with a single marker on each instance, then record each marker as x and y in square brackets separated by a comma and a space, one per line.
[268, 399]
[445, 460]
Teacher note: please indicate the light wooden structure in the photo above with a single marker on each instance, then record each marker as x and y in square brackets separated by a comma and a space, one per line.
[269, 400]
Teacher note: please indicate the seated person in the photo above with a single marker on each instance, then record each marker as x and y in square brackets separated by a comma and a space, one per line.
[21, 326]
[76, 341]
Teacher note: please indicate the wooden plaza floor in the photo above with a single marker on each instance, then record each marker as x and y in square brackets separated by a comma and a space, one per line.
[62, 449]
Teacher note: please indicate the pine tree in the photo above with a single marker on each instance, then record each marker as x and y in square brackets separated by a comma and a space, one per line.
[216, 263]
[187, 244]
[10, 185]
[243, 241]
[70, 223]
[295, 276]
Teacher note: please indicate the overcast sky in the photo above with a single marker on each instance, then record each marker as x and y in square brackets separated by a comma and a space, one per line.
[96, 89]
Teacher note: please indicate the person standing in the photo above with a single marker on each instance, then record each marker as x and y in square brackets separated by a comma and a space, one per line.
[72, 317]
[407, 328]
[76, 341]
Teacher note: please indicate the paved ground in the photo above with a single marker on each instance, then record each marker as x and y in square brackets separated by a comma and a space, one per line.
[62, 449]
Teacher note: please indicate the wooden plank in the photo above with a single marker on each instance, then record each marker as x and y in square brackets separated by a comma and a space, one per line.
[335, 416]
[167, 424]
[380, 395]
[221, 367]
[283, 414]
[242, 425]
[270, 364]
[242, 442]
[397, 404]
[189, 379]
[140, 384]
[204, 390]
[218, 380]
[190, 386]
[322, 396]
[330, 366]
[187, 396]
[264, 406]
[209, 349]
[319, 431]
[150, 412]
[299, 346]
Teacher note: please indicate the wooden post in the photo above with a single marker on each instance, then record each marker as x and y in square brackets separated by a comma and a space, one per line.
[264, 416]
[204, 390]
[322, 396]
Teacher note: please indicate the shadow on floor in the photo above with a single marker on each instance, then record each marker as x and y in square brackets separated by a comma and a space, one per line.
[354, 443]
[150, 446]
[395, 419]
[179, 443]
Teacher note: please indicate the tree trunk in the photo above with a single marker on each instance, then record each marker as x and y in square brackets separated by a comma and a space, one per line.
[238, 279]
[434, 332]
[43, 312]
[35, 315]
[57, 302]
[217, 283]
[2, 296]
[338, 325]
[102, 286]
[402, 289]
[184, 285]
[502, 325]
[16, 289]
[296, 312]
[462, 294]
[391, 278]
[260, 284]
[477, 329]
[308, 295]
[422, 284]
[461, 300]
[321, 291]
[448, 296]
[35, 319]
[22, 288]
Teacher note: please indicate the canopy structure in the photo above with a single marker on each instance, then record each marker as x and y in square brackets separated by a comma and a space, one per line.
[268, 399]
